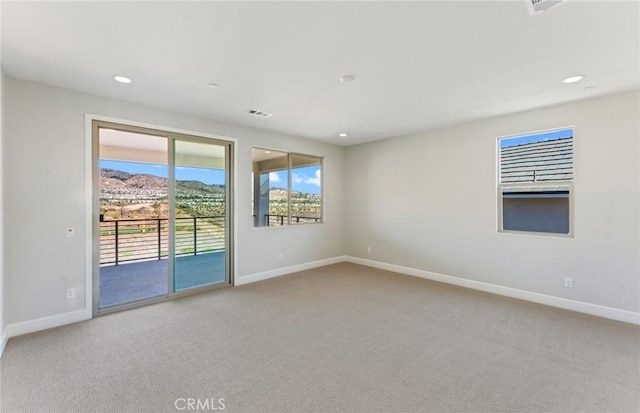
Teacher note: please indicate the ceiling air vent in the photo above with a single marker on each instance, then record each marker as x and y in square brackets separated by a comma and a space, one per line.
[260, 113]
[538, 6]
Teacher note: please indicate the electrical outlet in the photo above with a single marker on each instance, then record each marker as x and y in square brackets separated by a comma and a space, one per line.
[568, 282]
[368, 250]
[71, 232]
[71, 292]
[281, 256]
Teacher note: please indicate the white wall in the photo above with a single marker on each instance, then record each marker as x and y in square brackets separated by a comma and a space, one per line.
[45, 158]
[425, 201]
[3, 290]
[428, 202]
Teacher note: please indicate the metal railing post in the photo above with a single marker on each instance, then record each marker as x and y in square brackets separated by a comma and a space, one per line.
[195, 236]
[117, 242]
[159, 239]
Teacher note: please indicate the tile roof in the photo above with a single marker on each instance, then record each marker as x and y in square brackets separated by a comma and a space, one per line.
[550, 160]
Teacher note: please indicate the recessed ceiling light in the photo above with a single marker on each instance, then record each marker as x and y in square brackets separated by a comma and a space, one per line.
[342, 135]
[588, 87]
[267, 151]
[573, 79]
[347, 78]
[122, 79]
[213, 85]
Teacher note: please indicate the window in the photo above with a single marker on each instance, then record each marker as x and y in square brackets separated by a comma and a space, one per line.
[535, 182]
[287, 188]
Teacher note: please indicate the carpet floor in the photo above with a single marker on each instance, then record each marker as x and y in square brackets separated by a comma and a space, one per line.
[341, 338]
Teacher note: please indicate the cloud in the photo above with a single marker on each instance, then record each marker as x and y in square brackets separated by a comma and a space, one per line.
[297, 179]
[273, 177]
[316, 180]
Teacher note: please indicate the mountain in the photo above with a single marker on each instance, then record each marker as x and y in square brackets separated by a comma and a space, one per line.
[197, 186]
[114, 174]
[144, 181]
[111, 178]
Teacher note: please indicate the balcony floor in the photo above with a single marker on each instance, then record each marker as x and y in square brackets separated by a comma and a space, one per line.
[148, 279]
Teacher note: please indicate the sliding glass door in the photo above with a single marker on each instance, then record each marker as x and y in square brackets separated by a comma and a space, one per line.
[162, 207]
[200, 230]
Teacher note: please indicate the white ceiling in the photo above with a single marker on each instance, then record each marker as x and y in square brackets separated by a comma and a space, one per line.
[417, 65]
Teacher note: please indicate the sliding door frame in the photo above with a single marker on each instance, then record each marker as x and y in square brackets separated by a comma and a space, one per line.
[93, 227]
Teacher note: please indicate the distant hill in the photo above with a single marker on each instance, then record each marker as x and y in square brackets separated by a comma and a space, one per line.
[111, 178]
[198, 186]
[142, 196]
[114, 174]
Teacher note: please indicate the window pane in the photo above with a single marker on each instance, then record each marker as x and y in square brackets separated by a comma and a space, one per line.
[200, 236]
[536, 211]
[274, 194]
[544, 163]
[537, 158]
[306, 189]
[270, 183]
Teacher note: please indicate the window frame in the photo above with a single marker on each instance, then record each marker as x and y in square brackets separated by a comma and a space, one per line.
[289, 220]
[501, 187]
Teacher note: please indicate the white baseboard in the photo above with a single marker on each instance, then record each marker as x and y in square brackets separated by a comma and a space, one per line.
[564, 303]
[44, 323]
[246, 279]
[3, 342]
[26, 327]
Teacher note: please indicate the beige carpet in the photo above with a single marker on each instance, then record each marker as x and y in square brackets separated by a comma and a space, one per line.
[342, 338]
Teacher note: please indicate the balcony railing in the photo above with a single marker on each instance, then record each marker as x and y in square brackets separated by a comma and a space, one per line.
[276, 220]
[125, 240]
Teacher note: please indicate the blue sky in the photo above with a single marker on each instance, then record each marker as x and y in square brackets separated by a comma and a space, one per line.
[207, 176]
[305, 179]
[519, 140]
